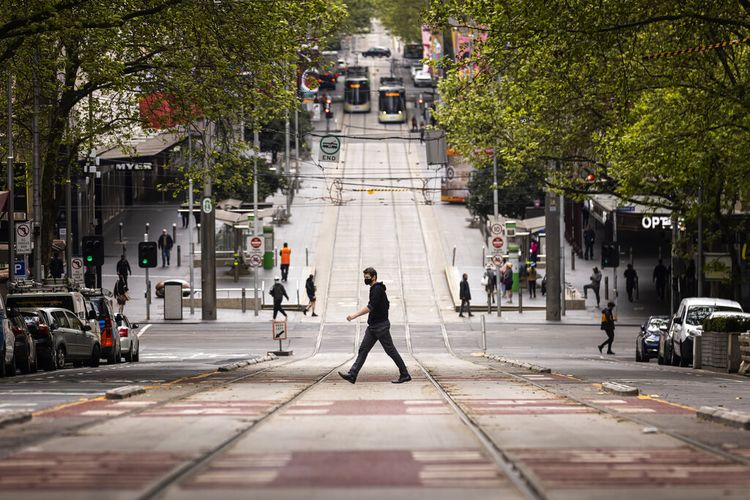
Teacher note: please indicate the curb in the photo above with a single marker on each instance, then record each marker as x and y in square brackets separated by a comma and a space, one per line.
[239, 364]
[126, 391]
[16, 417]
[724, 416]
[620, 389]
[519, 364]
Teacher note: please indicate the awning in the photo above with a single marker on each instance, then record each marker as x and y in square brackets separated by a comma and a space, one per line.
[142, 147]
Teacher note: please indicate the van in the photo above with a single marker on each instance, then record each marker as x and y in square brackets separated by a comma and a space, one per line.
[72, 301]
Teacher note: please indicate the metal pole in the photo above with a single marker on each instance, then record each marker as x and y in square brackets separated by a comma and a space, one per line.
[454, 256]
[307, 257]
[496, 211]
[68, 224]
[617, 249]
[120, 232]
[562, 255]
[256, 145]
[484, 333]
[179, 256]
[287, 166]
[174, 232]
[11, 188]
[148, 287]
[296, 144]
[553, 259]
[244, 305]
[191, 222]
[208, 241]
[36, 177]
[255, 290]
[671, 266]
[699, 267]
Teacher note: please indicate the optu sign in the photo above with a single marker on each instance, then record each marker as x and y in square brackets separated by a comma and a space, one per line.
[656, 222]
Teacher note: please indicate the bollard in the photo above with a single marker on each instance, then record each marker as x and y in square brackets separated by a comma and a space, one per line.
[698, 352]
[179, 256]
[174, 232]
[148, 225]
[484, 255]
[244, 305]
[572, 260]
[631, 256]
[520, 297]
[120, 232]
[198, 227]
[606, 288]
[484, 333]
[275, 252]
[307, 257]
[454, 256]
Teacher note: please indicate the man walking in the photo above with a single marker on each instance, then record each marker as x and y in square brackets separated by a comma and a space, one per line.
[660, 279]
[589, 237]
[596, 281]
[286, 259]
[310, 290]
[631, 281]
[123, 268]
[165, 243]
[608, 325]
[378, 330]
[278, 292]
[465, 295]
[56, 266]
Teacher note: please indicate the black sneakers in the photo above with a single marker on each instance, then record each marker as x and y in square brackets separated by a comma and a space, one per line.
[348, 377]
[402, 379]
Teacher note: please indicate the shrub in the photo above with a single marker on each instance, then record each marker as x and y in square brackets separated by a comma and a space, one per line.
[726, 324]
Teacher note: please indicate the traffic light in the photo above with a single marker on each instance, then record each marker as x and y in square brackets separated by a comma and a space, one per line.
[610, 256]
[93, 251]
[147, 254]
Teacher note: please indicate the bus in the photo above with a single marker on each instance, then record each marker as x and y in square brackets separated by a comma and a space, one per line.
[357, 90]
[413, 53]
[391, 100]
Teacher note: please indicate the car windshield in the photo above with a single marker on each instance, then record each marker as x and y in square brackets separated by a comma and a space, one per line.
[696, 314]
[656, 323]
[41, 300]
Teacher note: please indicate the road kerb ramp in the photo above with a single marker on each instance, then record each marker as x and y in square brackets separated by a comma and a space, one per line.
[520, 364]
[15, 417]
[246, 362]
[126, 391]
[724, 416]
[620, 389]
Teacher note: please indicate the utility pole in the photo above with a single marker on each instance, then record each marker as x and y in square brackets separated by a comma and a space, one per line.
[256, 227]
[208, 237]
[562, 254]
[496, 210]
[191, 222]
[11, 188]
[296, 143]
[36, 177]
[699, 267]
[552, 263]
[617, 249]
[287, 166]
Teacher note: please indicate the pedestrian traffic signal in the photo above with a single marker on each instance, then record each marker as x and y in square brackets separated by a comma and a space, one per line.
[93, 250]
[610, 256]
[147, 254]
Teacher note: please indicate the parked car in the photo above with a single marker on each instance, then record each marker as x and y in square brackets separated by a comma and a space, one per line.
[377, 52]
[341, 67]
[7, 347]
[160, 287]
[327, 80]
[687, 323]
[131, 344]
[72, 301]
[25, 349]
[38, 322]
[422, 79]
[414, 68]
[78, 343]
[105, 315]
[647, 341]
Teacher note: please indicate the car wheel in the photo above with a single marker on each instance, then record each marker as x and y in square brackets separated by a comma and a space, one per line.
[24, 365]
[96, 353]
[638, 357]
[10, 368]
[49, 360]
[60, 357]
[675, 359]
[118, 357]
[112, 358]
[137, 354]
[684, 362]
[129, 355]
[2, 364]
[34, 361]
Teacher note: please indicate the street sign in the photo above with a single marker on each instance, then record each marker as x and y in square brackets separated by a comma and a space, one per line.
[330, 147]
[76, 269]
[279, 330]
[255, 261]
[207, 205]
[19, 270]
[23, 238]
[496, 229]
[255, 244]
[497, 242]
[497, 260]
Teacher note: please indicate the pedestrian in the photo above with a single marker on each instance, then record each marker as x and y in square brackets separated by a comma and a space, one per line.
[631, 281]
[508, 281]
[286, 258]
[121, 293]
[278, 292]
[185, 218]
[596, 281]
[608, 325]
[465, 295]
[165, 243]
[123, 268]
[56, 266]
[589, 238]
[534, 250]
[310, 289]
[531, 278]
[414, 124]
[489, 282]
[660, 279]
[421, 131]
[378, 330]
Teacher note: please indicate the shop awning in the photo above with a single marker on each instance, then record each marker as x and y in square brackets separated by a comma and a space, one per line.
[142, 147]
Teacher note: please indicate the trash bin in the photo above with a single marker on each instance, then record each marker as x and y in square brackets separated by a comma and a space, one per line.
[268, 253]
[173, 301]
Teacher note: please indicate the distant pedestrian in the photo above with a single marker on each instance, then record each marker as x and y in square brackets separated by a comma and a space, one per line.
[631, 281]
[531, 277]
[508, 282]
[414, 124]
[120, 292]
[596, 281]
[123, 268]
[56, 266]
[286, 259]
[608, 325]
[660, 279]
[534, 250]
[165, 243]
[421, 132]
[489, 282]
[185, 215]
[278, 292]
[589, 238]
[585, 215]
[465, 295]
[378, 330]
[310, 290]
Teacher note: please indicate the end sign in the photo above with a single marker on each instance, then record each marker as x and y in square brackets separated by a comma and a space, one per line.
[330, 147]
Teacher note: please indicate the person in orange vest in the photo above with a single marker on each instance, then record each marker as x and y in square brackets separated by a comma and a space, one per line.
[286, 257]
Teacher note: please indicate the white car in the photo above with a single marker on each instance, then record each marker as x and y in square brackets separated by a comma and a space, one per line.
[414, 68]
[688, 324]
[129, 341]
[422, 79]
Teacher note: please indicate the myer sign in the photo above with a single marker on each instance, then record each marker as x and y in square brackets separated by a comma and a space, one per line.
[656, 222]
[330, 147]
[132, 166]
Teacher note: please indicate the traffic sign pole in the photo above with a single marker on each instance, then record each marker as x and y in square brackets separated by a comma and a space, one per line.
[148, 288]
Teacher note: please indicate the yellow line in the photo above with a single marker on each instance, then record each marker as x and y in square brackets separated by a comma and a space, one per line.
[66, 405]
[684, 407]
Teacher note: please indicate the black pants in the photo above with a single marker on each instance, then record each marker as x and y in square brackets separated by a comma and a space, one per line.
[284, 271]
[379, 332]
[532, 289]
[588, 252]
[610, 338]
[629, 287]
[278, 309]
[466, 303]
[661, 288]
[596, 292]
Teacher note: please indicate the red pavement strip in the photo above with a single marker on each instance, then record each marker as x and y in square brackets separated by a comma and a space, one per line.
[351, 469]
[84, 471]
[369, 407]
[628, 468]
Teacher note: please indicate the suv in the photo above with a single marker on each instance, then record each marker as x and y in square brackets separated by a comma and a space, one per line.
[110, 340]
[24, 348]
[74, 340]
[687, 324]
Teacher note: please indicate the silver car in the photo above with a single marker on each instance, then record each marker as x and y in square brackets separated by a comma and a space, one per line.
[131, 345]
[74, 341]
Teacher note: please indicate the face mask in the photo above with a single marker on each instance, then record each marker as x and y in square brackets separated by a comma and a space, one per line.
[368, 281]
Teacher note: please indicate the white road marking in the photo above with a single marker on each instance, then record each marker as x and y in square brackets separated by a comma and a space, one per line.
[143, 330]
